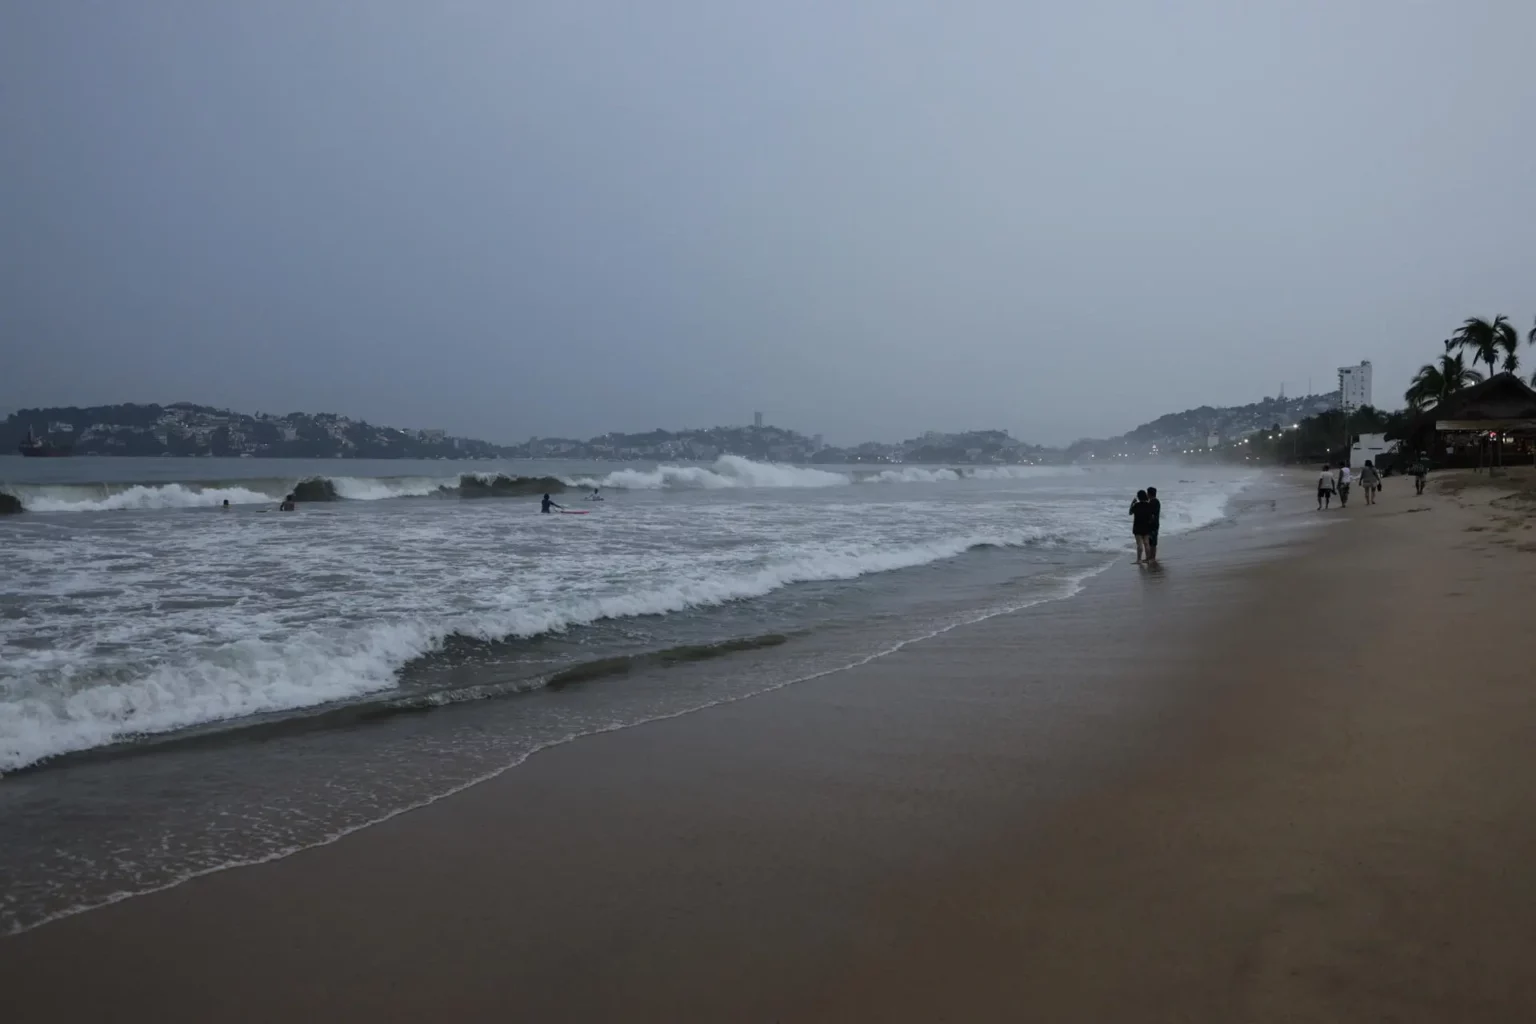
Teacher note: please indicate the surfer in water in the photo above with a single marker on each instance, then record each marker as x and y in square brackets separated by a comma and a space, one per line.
[594, 496]
[549, 503]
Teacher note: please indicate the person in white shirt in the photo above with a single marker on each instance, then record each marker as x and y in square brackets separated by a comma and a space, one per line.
[1325, 487]
[1344, 482]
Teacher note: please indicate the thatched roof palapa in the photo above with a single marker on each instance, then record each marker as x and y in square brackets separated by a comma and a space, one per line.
[1502, 402]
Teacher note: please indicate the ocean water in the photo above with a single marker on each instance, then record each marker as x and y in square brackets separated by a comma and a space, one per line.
[185, 687]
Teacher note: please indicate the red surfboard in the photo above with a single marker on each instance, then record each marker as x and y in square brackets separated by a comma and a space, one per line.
[574, 511]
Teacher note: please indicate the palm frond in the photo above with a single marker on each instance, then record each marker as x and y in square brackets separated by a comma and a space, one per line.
[1482, 337]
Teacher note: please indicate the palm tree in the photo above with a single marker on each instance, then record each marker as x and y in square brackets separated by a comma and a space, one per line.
[1531, 339]
[1487, 339]
[1435, 382]
[1508, 341]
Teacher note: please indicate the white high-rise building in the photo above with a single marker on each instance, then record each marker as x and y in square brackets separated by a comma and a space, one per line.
[1355, 386]
[757, 420]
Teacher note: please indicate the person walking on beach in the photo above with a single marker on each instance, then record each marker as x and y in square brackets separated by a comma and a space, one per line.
[1141, 519]
[1371, 481]
[1155, 522]
[1344, 481]
[1420, 470]
[1325, 488]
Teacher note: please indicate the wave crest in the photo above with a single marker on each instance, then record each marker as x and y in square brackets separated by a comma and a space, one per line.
[733, 471]
[725, 473]
[137, 496]
[256, 676]
[728, 471]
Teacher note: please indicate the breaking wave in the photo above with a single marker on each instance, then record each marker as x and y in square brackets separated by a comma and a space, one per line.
[39, 719]
[731, 471]
[110, 498]
[727, 472]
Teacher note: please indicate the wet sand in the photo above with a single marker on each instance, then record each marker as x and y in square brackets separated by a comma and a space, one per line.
[1289, 777]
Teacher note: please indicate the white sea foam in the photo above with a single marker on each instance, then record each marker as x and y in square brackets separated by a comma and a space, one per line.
[915, 475]
[49, 709]
[728, 471]
[364, 488]
[138, 496]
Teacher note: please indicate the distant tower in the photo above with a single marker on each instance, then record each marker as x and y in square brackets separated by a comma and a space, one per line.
[757, 420]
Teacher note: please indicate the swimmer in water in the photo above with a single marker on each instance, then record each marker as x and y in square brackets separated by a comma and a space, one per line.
[288, 504]
[549, 503]
[594, 496]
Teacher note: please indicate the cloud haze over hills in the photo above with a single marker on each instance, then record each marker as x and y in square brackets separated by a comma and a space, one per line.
[867, 218]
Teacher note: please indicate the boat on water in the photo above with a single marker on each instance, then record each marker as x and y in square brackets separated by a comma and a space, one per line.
[34, 447]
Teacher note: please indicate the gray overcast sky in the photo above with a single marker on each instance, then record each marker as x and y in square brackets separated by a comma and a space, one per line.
[865, 218]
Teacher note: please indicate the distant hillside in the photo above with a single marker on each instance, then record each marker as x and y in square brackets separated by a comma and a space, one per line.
[1192, 427]
[186, 429]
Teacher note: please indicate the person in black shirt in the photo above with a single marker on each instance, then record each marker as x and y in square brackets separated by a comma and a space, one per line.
[1141, 519]
[1155, 521]
[548, 503]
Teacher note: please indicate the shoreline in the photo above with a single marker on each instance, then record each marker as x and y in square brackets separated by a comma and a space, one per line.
[110, 754]
[830, 850]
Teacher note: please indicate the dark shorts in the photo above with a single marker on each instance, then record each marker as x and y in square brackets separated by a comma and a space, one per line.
[1152, 540]
[1323, 492]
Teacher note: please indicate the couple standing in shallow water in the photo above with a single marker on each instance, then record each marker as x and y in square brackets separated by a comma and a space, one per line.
[1146, 518]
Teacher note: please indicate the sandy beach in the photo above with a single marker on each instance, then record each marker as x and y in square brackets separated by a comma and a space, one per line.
[1288, 777]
